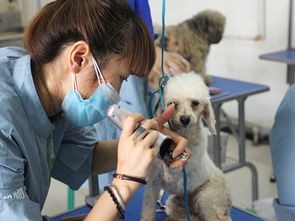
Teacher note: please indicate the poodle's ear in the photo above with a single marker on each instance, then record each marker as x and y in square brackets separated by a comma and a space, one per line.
[209, 117]
[209, 22]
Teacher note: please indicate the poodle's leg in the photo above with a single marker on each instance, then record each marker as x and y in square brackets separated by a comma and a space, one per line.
[175, 209]
[198, 64]
[207, 79]
[213, 200]
[151, 195]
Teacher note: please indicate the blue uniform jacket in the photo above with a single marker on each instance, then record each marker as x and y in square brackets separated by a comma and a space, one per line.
[34, 148]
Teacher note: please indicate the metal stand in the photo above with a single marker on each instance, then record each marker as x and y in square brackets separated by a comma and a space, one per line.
[242, 150]
[290, 25]
[93, 190]
[290, 68]
[290, 74]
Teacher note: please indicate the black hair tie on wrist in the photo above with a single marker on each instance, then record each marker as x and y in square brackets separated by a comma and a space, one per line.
[117, 200]
[130, 178]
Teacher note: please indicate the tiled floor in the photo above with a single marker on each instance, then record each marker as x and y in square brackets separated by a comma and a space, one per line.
[239, 182]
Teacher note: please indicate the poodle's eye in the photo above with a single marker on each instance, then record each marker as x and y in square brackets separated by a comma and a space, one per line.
[195, 103]
[175, 105]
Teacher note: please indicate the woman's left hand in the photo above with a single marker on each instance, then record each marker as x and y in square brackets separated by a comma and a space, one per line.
[180, 141]
[173, 62]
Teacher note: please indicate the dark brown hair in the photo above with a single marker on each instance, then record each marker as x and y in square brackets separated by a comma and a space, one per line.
[108, 26]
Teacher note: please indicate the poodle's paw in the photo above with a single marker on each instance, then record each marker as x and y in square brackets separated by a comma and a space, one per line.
[222, 218]
[218, 217]
[193, 218]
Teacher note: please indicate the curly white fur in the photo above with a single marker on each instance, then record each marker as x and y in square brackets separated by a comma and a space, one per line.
[209, 198]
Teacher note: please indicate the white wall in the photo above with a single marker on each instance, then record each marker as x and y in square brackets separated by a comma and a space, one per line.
[238, 59]
[30, 8]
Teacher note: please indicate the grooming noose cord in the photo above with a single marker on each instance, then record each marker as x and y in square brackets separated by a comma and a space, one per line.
[162, 83]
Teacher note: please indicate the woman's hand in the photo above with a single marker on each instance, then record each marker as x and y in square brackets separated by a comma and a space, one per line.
[135, 155]
[180, 141]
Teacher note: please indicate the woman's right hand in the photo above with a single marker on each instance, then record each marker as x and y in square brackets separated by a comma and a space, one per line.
[135, 155]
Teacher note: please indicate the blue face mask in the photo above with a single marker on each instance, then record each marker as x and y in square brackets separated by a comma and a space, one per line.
[84, 112]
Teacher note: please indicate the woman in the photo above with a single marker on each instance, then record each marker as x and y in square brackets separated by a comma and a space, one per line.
[79, 52]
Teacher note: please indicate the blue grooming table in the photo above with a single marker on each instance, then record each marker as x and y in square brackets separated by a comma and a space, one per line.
[134, 209]
[234, 89]
[285, 56]
[238, 91]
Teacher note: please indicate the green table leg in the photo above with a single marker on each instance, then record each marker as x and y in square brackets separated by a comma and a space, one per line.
[71, 199]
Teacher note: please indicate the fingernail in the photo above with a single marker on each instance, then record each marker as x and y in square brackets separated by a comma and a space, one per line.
[175, 154]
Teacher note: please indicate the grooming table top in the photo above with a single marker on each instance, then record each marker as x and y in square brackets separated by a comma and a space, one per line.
[286, 56]
[135, 206]
[234, 89]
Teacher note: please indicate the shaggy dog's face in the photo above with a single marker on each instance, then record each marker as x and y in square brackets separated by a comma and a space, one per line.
[172, 45]
[188, 111]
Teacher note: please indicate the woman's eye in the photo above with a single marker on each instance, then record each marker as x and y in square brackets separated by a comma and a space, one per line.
[195, 103]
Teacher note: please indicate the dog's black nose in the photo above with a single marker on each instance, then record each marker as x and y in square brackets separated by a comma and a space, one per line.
[185, 120]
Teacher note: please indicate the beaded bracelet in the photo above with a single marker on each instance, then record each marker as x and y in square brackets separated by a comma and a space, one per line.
[125, 177]
[117, 200]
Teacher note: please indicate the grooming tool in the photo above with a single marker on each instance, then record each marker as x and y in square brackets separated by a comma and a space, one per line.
[116, 114]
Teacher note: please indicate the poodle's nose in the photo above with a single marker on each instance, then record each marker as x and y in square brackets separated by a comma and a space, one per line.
[185, 120]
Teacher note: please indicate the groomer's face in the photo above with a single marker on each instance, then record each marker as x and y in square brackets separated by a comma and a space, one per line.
[114, 72]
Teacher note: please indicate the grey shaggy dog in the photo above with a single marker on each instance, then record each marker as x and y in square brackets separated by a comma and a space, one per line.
[192, 39]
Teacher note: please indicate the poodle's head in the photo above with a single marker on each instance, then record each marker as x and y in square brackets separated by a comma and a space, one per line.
[190, 96]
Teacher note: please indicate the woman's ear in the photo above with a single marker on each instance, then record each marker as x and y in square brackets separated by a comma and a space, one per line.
[79, 56]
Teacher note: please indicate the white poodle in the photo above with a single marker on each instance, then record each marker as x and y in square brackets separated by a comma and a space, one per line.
[208, 195]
